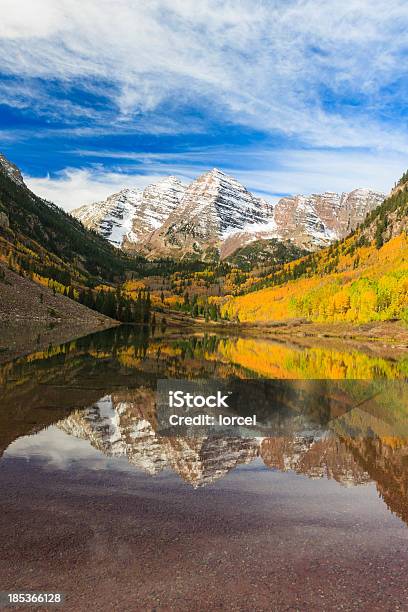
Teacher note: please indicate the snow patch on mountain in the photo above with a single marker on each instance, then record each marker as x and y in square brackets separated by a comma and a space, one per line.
[126, 217]
[113, 217]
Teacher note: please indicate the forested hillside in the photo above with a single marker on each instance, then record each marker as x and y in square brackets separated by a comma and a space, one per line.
[361, 278]
[262, 253]
[41, 242]
[50, 240]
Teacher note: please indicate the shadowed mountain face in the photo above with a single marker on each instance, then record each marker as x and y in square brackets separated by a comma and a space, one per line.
[101, 390]
[39, 233]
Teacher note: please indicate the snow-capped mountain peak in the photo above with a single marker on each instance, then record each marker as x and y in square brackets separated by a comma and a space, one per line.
[169, 218]
[213, 206]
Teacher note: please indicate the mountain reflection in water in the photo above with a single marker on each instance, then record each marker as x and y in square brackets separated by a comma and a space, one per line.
[102, 388]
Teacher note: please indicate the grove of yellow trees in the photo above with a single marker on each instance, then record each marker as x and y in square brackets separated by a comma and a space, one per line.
[374, 290]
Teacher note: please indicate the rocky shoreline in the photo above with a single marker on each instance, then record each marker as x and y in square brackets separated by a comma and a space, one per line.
[32, 317]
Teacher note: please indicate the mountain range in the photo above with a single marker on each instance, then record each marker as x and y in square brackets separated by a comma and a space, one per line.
[215, 211]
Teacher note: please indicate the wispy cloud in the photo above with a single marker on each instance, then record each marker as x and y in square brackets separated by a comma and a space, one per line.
[287, 95]
[271, 65]
[266, 173]
[75, 186]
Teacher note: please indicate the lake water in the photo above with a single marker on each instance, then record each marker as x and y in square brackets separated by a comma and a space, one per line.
[310, 511]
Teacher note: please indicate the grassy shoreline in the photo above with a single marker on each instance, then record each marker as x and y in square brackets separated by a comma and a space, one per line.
[377, 335]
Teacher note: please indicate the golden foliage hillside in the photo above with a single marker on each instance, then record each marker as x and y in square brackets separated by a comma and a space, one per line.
[343, 283]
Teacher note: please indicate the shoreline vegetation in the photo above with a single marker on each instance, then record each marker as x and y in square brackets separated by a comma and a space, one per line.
[375, 336]
[33, 316]
[386, 339]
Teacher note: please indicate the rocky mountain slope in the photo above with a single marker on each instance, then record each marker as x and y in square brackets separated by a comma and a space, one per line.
[325, 217]
[22, 299]
[390, 219]
[213, 207]
[32, 316]
[11, 170]
[126, 217]
[113, 217]
[157, 203]
[310, 222]
[169, 219]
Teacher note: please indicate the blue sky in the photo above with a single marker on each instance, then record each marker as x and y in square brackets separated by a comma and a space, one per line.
[293, 96]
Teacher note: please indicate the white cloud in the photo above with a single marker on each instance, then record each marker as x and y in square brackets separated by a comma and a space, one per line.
[73, 187]
[264, 64]
[27, 20]
[318, 171]
[58, 450]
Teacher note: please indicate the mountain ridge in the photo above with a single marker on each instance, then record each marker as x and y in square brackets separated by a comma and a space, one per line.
[171, 219]
[127, 215]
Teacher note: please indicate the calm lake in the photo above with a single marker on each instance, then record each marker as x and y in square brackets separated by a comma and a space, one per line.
[308, 511]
